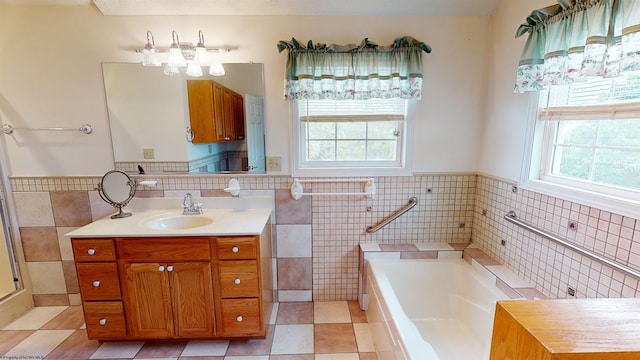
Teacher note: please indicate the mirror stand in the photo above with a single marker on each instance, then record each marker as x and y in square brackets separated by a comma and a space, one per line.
[117, 189]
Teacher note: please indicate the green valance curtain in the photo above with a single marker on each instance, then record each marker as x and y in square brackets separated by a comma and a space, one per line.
[360, 72]
[575, 39]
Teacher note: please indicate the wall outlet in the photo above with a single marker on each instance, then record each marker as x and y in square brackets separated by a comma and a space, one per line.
[148, 154]
[274, 163]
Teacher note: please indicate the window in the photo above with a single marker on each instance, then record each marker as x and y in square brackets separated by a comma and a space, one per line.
[587, 138]
[365, 137]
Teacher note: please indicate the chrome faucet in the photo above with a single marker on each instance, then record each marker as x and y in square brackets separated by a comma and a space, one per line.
[189, 207]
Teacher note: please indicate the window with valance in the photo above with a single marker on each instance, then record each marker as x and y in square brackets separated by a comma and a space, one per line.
[581, 61]
[350, 105]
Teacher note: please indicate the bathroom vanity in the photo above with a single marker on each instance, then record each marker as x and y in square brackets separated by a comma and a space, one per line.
[162, 275]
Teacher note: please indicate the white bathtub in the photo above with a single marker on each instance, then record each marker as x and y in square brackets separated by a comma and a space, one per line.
[431, 309]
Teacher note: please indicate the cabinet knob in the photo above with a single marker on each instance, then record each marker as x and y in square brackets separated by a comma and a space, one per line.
[170, 268]
[103, 322]
[96, 283]
[227, 138]
[237, 281]
[161, 268]
[235, 249]
[91, 251]
[239, 318]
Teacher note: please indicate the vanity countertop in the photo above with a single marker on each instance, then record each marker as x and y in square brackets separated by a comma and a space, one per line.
[227, 220]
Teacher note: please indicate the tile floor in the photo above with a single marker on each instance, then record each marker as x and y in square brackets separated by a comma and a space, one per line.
[300, 331]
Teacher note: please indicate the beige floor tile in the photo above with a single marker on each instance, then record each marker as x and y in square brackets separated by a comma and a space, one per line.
[331, 312]
[293, 339]
[39, 344]
[118, 350]
[35, 318]
[364, 338]
[334, 338]
[205, 348]
[262, 357]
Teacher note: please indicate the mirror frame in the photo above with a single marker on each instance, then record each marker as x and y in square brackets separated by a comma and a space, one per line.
[104, 187]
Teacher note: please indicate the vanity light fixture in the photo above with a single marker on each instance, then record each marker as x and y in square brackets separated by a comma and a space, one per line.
[181, 55]
[150, 53]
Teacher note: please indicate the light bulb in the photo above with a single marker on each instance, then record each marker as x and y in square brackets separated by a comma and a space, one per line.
[216, 69]
[150, 57]
[194, 69]
[171, 70]
[175, 57]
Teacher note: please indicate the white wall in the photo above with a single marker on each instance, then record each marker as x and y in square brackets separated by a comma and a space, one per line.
[504, 130]
[50, 75]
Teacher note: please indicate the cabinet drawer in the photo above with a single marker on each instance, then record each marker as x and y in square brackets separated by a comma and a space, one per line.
[98, 281]
[241, 317]
[239, 278]
[104, 320]
[164, 249]
[232, 248]
[87, 250]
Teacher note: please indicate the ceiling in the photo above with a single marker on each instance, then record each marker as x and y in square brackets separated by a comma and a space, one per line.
[282, 7]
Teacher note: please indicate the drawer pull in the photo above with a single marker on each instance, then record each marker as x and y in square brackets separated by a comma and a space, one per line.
[103, 322]
[239, 318]
[91, 251]
[235, 249]
[96, 283]
[170, 268]
[236, 281]
[161, 268]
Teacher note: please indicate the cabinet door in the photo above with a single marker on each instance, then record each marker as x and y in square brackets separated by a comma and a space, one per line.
[192, 298]
[218, 108]
[238, 116]
[205, 119]
[147, 300]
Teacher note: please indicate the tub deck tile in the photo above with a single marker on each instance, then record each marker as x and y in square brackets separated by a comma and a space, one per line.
[398, 247]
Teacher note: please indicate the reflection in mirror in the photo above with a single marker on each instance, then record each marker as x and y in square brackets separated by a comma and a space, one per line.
[117, 189]
[151, 122]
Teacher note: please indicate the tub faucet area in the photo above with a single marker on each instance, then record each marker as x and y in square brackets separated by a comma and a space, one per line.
[189, 207]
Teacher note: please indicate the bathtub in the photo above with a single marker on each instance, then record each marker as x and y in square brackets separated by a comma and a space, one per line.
[431, 309]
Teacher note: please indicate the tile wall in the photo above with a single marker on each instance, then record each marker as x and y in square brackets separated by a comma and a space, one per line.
[553, 268]
[317, 237]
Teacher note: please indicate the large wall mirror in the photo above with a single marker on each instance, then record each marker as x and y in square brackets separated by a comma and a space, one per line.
[152, 130]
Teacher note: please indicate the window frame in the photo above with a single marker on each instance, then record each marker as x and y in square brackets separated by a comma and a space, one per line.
[301, 168]
[537, 162]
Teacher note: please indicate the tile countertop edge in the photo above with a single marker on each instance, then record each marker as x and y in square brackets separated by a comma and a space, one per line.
[226, 222]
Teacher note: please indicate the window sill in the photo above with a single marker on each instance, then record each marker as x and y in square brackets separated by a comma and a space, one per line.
[342, 172]
[616, 205]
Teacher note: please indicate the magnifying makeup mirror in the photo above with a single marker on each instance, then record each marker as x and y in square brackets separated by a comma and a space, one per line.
[117, 189]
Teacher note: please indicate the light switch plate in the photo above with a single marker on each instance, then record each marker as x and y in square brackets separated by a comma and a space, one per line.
[148, 154]
[274, 163]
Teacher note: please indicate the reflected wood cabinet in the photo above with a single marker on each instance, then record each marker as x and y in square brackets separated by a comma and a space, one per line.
[216, 113]
[173, 287]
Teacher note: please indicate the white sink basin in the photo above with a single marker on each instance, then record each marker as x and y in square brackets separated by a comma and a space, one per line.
[178, 222]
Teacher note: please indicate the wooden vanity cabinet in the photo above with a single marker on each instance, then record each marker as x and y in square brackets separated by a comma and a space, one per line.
[216, 112]
[173, 287]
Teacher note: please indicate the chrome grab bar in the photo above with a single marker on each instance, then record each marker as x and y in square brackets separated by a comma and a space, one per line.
[408, 206]
[513, 218]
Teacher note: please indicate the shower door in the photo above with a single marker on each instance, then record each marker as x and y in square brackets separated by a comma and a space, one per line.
[7, 264]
